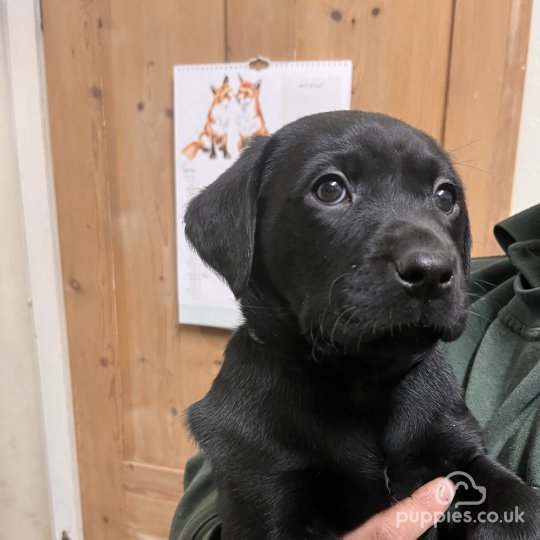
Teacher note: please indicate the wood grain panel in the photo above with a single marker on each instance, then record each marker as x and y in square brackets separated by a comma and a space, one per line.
[74, 71]
[152, 494]
[259, 27]
[164, 367]
[484, 103]
[399, 52]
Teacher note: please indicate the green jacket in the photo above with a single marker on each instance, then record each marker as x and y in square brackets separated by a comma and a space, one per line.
[497, 361]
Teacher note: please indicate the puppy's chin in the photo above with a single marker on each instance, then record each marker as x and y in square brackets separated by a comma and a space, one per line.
[397, 340]
[409, 338]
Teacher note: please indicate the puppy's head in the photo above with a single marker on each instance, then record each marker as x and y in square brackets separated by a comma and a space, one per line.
[354, 224]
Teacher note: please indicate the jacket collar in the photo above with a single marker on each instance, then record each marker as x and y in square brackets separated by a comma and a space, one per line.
[519, 237]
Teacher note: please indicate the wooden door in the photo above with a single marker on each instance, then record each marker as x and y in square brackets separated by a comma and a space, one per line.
[453, 68]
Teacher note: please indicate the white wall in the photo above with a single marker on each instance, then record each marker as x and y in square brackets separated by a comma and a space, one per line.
[526, 191]
[24, 502]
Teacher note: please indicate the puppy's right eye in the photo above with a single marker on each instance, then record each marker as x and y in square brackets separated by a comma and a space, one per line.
[330, 189]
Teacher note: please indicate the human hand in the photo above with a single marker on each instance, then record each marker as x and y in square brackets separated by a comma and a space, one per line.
[411, 517]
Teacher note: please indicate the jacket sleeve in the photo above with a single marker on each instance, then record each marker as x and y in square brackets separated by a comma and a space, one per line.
[196, 517]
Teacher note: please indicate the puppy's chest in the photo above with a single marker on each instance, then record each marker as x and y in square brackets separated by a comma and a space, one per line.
[364, 472]
[360, 440]
[374, 444]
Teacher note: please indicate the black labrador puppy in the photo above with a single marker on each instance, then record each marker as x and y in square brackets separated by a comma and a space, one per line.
[346, 240]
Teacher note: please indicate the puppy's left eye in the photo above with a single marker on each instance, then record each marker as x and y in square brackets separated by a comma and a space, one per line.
[445, 198]
[330, 189]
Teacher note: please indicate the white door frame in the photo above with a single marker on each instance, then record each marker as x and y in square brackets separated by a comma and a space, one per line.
[30, 118]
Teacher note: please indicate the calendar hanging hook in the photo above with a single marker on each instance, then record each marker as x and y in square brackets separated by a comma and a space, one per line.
[259, 62]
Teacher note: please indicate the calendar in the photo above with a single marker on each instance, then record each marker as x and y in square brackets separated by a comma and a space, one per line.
[217, 109]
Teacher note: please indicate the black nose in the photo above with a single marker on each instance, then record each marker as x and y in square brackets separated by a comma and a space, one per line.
[425, 275]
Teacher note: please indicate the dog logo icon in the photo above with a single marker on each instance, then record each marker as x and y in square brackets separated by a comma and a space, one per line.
[465, 481]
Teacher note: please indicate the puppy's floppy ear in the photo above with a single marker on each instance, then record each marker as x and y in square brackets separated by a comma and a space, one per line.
[220, 220]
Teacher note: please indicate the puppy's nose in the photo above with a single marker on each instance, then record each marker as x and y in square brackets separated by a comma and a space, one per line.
[425, 275]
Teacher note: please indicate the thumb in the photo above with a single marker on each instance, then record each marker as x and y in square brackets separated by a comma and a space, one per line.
[411, 517]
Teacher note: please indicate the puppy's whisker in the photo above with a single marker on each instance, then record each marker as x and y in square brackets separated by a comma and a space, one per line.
[265, 308]
[313, 354]
[490, 301]
[359, 340]
[478, 281]
[360, 336]
[451, 152]
[471, 327]
[474, 295]
[312, 338]
[333, 283]
[346, 310]
[321, 320]
[349, 320]
[475, 168]
[471, 312]
[481, 287]
[464, 161]
[475, 331]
